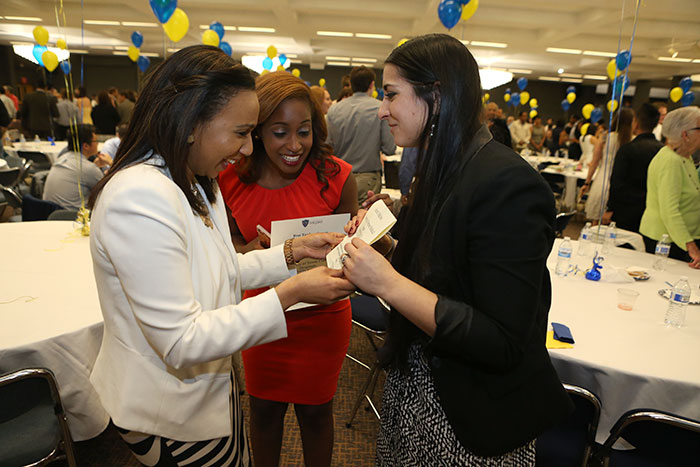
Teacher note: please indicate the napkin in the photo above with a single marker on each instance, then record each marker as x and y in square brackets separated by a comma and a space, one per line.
[562, 333]
[610, 273]
[555, 344]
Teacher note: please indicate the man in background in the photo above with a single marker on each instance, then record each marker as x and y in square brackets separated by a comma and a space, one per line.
[498, 126]
[520, 132]
[125, 105]
[67, 113]
[37, 112]
[663, 110]
[7, 102]
[357, 134]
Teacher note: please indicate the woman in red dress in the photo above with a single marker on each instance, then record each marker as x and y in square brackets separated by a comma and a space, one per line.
[291, 174]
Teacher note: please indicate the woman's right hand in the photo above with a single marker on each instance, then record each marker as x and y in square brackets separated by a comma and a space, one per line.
[320, 285]
[352, 225]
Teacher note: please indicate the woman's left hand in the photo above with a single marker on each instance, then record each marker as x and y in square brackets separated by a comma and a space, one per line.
[368, 269]
[694, 253]
[315, 246]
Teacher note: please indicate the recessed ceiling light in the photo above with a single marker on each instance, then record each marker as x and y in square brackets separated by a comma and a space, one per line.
[672, 59]
[338, 63]
[372, 36]
[498, 45]
[596, 53]
[338, 59]
[520, 71]
[558, 50]
[334, 33]
[22, 18]
[549, 78]
[255, 29]
[101, 22]
[598, 77]
[560, 70]
[139, 24]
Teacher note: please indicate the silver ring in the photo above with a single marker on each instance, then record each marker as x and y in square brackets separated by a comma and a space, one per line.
[343, 258]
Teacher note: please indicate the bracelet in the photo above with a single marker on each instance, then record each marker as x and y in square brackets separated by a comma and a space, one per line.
[391, 248]
[288, 254]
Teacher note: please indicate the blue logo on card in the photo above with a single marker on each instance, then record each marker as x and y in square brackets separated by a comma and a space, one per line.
[305, 222]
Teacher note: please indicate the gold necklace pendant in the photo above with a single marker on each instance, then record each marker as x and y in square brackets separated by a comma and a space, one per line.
[205, 217]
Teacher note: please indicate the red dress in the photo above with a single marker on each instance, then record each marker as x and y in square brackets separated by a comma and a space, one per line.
[304, 367]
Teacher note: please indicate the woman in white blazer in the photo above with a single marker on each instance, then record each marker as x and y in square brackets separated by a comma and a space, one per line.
[168, 277]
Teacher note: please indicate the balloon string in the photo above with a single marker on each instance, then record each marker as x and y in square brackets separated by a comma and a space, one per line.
[606, 181]
[28, 298]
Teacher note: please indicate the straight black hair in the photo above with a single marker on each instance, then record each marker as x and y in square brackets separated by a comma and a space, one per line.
[445, 76]
[186, 90]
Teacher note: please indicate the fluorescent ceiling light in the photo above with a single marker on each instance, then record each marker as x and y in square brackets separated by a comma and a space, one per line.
[23, 18]
[334, 33]
[571, 80]
[149, 54]
[598, 77]
[557, 50]
[341, 59]
[101, 22]
[367, 60]
[229, 28]
[172, 49]
[255, 29]
[255, 62]
[296, 61]
[519, 71]
[26, 51]
[78, 51]
[595, 53]
[338, 63]
[121, 47]
[493, 78]
[498, 45]
[697, 60]
[139, 24]
[203, 26]
[372, 36]
[677, 59]
[571, 75]
[102, 47]
[291, 55]
[119, 52]
[549, 78]
[464, 42]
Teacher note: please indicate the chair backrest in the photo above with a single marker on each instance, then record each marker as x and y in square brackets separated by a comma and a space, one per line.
[13, 161]
[369, 313]
[35, 209]
[561, 221]
[657, 436]
[9, 177]
[41, 160]
[11, 197]
[33, 426]
[586, 410]
[63, 215]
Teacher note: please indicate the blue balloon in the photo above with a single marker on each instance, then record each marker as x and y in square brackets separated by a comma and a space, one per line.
[688, 98]
[507, 91]
[621, 85]
[596, 115]
[463, 2]
[143, 62]
[380, 94]
[65, 67]
[283, 59]
[218, 28]
[37, 51]
[136, 38]
[267, 63]
[163, 9]
[226, 47]
[571, 89]
[515, 99]
[623, 59]
[685, 84]
[522, 83]
[449, 12]
[565, 105]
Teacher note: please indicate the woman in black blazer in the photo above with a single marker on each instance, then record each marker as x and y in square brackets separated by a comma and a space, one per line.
[470, 381]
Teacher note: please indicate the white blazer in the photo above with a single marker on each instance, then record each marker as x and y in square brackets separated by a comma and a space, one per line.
[170, 292]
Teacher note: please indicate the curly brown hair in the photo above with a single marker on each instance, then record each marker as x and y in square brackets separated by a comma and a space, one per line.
[273, 89]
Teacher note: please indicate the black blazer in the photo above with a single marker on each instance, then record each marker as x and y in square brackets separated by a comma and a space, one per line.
[491, 369]
[628, 182]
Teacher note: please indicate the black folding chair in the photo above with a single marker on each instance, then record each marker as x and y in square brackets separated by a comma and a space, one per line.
[561, 221]
[40, 160]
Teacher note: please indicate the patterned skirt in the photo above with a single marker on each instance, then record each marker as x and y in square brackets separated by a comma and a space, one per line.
[414, 428]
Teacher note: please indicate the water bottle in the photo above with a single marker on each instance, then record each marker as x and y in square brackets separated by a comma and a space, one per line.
[663, 248]
[563, 257]
[37, 139]
[22, 139]
[584, 241]
[610, 238]
[677, 303]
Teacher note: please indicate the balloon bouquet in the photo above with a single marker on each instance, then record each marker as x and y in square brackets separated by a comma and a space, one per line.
[683, 93]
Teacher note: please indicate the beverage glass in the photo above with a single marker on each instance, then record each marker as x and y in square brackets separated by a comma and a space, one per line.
[626, 298]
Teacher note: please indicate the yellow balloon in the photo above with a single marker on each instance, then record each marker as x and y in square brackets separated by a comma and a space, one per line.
[586, 111]
[296, 72]
[533, 102]
[402, 42]
[272, 51]
[210, 37]
[469, 9]
[178, 25]
[524, 95]
[571, 97]
[487, 96]
[533, 113]
[41, 35]
[322, 82]
[133, 52]
[676, 94]
[375, 93]
[264, 72]
[61, 44]
[612, 68]
[280, 68]
[506, 97]
[584, 128]
[50, 60]
[612, 105]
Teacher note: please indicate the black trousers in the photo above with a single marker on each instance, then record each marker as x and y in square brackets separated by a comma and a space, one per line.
[675, 253]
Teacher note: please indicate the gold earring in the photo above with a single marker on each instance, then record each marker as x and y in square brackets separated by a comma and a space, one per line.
[190, 139]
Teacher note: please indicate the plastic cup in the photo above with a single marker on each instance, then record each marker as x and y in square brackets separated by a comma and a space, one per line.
[626, 298]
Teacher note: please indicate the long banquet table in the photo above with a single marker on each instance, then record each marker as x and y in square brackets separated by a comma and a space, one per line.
[50, 315]
[630, 359]
[46, 147]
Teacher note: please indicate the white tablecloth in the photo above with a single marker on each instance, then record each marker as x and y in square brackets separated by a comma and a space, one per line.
[567, 169]
[50, 314]
[630, 359]
[43, 146]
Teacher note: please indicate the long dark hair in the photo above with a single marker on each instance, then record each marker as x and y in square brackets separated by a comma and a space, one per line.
[445, 76]
[186, 90]
[273, 89]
